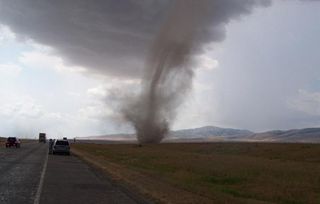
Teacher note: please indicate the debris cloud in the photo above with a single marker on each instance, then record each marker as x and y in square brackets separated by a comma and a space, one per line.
[168, 73]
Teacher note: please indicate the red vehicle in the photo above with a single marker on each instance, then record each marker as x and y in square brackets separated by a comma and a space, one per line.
[13, 142]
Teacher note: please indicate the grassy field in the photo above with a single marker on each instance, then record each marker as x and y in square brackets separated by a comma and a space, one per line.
[214, 172]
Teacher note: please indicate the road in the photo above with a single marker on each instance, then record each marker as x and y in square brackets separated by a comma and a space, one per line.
[29, 175]
[20, 171]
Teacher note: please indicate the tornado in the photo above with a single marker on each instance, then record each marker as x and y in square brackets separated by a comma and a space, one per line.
[168, 74]
[169, 68]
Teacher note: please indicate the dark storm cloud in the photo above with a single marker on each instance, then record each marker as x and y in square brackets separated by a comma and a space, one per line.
[110, 36]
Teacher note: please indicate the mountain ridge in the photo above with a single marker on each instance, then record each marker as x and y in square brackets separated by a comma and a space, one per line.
[214, 133]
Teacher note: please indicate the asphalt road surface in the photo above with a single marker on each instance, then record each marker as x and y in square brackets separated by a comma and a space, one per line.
[20, 170]
[29, 175]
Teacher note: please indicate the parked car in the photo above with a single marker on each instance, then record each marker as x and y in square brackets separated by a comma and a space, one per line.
[61, 146]
[13, 142]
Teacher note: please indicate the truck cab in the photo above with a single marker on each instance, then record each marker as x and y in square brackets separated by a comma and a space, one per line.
[42, 137]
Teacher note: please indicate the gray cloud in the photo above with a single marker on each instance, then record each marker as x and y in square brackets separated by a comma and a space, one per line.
[110, 37]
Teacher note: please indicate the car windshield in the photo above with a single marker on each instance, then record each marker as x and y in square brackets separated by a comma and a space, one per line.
[65, 143]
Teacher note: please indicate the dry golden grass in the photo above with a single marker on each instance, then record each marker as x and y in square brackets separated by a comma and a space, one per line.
[215, 172]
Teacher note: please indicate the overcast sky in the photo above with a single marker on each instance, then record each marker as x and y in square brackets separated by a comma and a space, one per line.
[65, 65]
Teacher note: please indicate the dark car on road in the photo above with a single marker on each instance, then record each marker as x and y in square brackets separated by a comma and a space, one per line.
[13, 142]
[61, 146]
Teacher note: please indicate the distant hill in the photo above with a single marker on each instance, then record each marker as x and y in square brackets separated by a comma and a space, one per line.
[212, 133]
[311, 135]
[208, 132]
[199, 134]
[111, 137]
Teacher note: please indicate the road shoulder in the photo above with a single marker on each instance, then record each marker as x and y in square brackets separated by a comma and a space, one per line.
[69, 180]
[131, 190]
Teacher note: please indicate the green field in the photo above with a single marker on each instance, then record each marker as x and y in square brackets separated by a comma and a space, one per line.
[214, 172]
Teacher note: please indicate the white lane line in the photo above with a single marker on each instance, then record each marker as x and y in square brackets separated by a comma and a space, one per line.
[44, 168]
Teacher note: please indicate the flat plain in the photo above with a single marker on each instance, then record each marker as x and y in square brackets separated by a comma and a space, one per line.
[213, 172]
